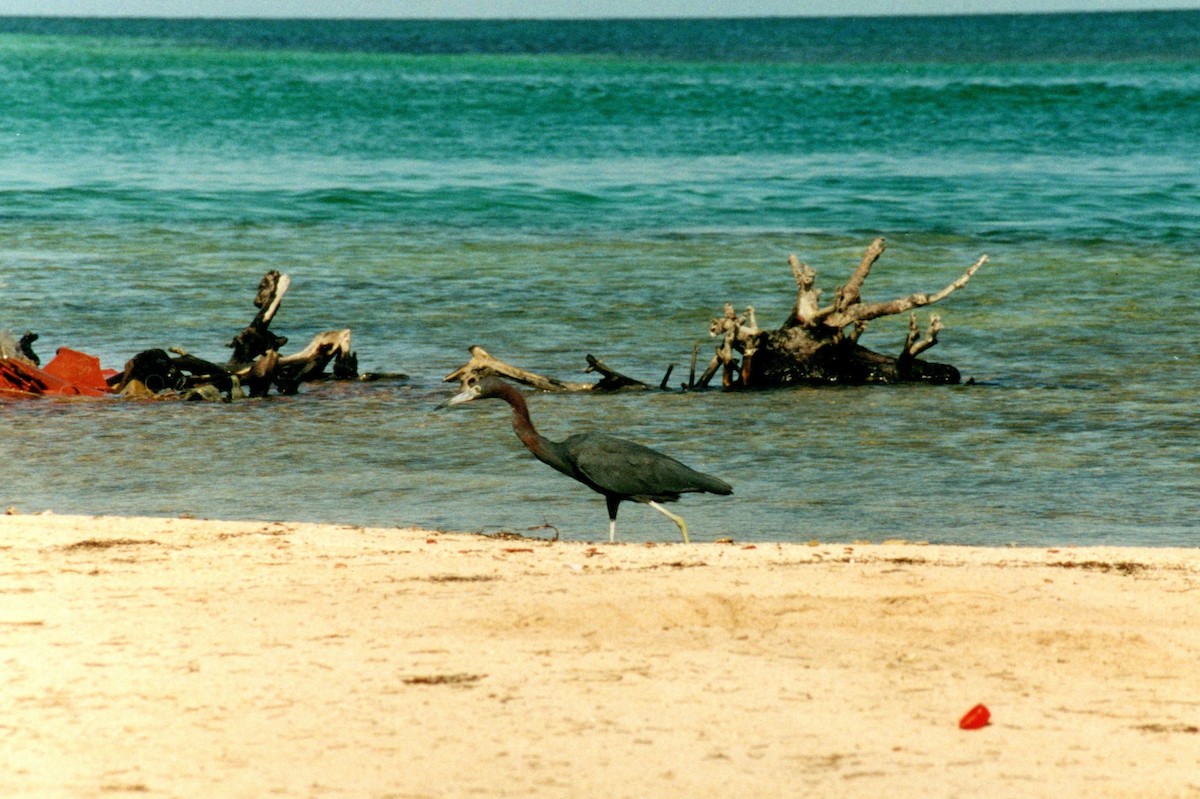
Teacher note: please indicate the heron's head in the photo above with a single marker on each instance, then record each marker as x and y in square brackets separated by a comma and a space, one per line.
[476, 388]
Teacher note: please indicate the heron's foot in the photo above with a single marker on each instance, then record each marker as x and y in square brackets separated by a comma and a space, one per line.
[677, 519]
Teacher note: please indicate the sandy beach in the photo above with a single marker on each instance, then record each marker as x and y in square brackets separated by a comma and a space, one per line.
[190, 658]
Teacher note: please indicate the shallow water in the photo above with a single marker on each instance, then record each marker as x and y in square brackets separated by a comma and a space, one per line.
[600, 188]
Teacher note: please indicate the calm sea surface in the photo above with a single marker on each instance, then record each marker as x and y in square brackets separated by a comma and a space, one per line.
[552, 189]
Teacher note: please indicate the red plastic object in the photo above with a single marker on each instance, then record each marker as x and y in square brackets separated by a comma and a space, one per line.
[18, 379]
[975, 718]
[22, 379]
[79, 369]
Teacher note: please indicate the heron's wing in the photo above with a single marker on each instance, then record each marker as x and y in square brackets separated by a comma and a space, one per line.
[627, 469]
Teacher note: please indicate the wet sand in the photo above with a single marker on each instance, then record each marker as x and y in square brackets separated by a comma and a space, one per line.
[189, 658]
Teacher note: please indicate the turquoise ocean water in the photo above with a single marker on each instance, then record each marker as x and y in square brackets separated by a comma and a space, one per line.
[552, 189]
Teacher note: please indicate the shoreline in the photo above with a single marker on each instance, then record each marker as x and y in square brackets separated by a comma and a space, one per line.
[175, 657]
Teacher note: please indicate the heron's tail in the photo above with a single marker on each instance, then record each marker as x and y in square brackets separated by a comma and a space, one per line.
[714, 485]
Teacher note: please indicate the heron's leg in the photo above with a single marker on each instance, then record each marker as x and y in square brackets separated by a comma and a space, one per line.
[677, 519]
[613, 503]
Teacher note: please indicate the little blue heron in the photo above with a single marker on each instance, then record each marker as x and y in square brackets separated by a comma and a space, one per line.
[614, 467]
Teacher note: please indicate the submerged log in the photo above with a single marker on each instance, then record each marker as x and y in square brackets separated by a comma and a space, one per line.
[482, 363]
[819, 344]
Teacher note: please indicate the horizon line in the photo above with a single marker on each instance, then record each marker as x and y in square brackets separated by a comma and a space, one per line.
[617, 18]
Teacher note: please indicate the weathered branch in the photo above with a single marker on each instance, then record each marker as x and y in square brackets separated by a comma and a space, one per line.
[482, 363]
[309, 364]
[610, 379]
[914, 346]
[321, 350]
[709, 371]
[861, 312]
[257, 339]
[288, 372]
[851, 293]
[202, 371]
[270, 296]
[257, 378]
[807, 311]
[955, 285]
[663, 385]
[738, 333]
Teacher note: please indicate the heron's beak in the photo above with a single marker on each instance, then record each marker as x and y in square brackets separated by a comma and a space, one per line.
[457, 399]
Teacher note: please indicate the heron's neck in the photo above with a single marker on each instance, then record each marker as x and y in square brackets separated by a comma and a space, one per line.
[545, 450]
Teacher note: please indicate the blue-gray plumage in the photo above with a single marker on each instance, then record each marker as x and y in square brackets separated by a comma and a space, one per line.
[619, 469]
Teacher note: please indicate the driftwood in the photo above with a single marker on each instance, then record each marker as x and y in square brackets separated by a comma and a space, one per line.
[816, 344]
[254, 367]
[256, 361]
[256, 340]
[482, 363]
[309, 364]
[819, 344]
